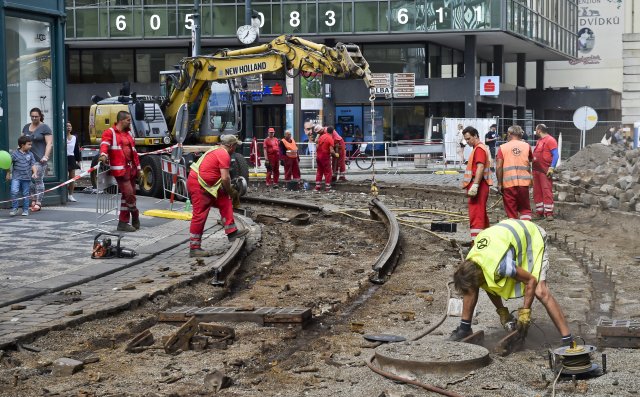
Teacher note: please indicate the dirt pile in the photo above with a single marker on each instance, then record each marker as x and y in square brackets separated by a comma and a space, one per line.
[608, 176]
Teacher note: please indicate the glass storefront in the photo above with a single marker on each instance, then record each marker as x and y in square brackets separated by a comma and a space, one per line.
[29, 79]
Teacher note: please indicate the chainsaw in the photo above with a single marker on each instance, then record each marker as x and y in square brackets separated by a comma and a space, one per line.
[103, 247]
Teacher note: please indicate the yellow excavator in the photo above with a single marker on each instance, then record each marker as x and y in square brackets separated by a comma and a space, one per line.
[161, 122]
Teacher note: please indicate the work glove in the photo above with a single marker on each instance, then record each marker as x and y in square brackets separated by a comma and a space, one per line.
[506, 319]
[267, 165]
[473, 190]
[524, 320]
[336, 155]
[235, 197]
[550, 172]
[103, 159]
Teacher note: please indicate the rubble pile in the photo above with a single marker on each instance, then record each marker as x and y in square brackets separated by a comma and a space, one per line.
[607, 176]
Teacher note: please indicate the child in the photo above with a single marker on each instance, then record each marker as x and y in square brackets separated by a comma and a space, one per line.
[22, 160]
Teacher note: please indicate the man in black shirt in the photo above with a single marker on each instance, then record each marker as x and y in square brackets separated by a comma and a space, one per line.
[490, 139]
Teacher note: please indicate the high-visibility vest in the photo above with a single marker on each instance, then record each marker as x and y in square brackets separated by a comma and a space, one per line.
[291, 148]
[515, 169]
[491, 245]
[195, 167]
[468, 173]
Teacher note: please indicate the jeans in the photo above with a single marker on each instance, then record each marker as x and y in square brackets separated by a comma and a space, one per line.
[20, 188]
[37, 186]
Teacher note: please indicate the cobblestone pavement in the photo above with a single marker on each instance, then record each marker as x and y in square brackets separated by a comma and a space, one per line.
[48, 280]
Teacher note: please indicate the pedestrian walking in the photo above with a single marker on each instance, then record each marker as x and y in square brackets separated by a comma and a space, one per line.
[324, 153]
[509, 260]
[545, 158]
[513, 172]
[460, 143]
[42, 145]
[73, 160]
[119, 148]
[491, 138]
[338, 163]
[23, 169]
[477, 179]
[291, 157]
[271, 147]
[209, 185]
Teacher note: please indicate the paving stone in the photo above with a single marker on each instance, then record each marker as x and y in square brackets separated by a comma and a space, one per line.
[66, 367]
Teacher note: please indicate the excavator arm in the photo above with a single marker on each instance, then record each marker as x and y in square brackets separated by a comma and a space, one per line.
[285, 52]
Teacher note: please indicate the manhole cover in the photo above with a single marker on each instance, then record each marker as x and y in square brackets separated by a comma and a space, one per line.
[431, 355]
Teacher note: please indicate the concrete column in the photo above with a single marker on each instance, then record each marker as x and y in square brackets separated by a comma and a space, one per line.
[470, 62]
[521, 81]
[540, 75]
[498, 61]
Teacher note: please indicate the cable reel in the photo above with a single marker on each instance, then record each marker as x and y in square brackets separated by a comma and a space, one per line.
[576, 360]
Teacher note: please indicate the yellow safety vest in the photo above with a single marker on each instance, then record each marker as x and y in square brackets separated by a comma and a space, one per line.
[492, 244]
[195, 167]
[515, 168]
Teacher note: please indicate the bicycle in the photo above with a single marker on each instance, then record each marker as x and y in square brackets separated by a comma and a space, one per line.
[362, 160]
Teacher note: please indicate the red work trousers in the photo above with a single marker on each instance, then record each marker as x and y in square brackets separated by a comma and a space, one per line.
[542, 193]
[291, 168]
[274, 160]
[324, 169]
[478, 218]
[127, 188]
[516, 201]
[201, 203]
[339, 164]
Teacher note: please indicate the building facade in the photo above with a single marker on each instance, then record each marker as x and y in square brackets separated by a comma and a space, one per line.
[32, 76]
[445, 47]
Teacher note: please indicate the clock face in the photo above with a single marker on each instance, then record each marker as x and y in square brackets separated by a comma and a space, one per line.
[247, 34]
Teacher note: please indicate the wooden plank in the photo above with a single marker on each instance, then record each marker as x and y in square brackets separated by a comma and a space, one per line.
[259, 315]
[145, 338]
[216, 331]
[180, 339]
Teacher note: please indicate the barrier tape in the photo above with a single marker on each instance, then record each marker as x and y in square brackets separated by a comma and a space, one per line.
[85, 173]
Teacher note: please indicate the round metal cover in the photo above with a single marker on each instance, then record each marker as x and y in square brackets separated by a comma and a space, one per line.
[384, 338]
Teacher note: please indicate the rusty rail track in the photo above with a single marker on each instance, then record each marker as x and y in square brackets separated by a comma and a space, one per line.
[386, 262]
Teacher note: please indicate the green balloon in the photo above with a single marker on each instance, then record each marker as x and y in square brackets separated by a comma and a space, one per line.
[5, 160]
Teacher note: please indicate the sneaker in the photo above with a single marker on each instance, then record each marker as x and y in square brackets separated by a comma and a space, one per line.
[25, 212]
[14, 212]
[549, 217]
[125, 227]
[72, 199]
[198, 253]
[237, 234]
[459, 334]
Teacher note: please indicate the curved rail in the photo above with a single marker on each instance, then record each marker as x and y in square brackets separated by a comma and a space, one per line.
[229, 262]
[387, 260]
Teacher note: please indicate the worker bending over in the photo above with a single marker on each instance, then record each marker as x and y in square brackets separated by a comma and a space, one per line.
[508, 260]
[209, 185]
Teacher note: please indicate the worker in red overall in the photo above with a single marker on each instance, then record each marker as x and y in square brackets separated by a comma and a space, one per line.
[545, 159]
[119, 148]
[209, 185]
[477, 179]
[271, 146]
[338, 164]
[513, 172]
[291, 157]
[324, 153]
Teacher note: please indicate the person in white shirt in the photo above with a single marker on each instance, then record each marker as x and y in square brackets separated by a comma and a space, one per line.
[73, 160]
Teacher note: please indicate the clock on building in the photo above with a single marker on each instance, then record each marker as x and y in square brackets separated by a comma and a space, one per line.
[247, 34]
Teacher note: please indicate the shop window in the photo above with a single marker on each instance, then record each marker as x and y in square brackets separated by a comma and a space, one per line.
[106, 66]
[408, 123]
[29, 85]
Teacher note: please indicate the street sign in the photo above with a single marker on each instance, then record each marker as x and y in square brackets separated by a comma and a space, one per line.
[404, 85]
[382, 84]
[585, 118]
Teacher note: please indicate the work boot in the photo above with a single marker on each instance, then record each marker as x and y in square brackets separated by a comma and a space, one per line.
[237, 234]
[537, 217]
[198, 253]
[125, 227]
[136, 223]
[342, 179]
[549, 217]
[459, 334]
